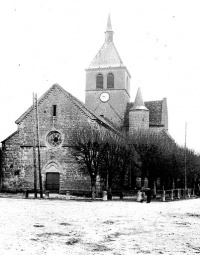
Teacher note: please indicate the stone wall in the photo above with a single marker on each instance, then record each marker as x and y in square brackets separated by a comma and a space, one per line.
[164, 113]
[138, 119]
[11, 162]
[18, 171]
[115, 108]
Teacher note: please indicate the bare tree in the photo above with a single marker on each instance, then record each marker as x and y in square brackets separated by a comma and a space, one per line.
[119, 158]
[100, 151]
[154, 149]
[162, 158]
[88, 147]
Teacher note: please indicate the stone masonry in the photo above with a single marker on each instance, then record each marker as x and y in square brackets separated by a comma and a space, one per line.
[18, 148]
[107, 103]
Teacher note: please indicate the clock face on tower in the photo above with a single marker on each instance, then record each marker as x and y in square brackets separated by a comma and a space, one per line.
[104, 97]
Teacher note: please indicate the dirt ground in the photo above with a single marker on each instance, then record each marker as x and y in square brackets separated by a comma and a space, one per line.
[59, 226]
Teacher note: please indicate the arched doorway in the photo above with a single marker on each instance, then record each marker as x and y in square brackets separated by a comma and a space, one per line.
[53, 182]
[52, 177]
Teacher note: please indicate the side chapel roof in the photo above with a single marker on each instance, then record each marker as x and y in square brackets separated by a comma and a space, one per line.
[155, 112]
[13, 134]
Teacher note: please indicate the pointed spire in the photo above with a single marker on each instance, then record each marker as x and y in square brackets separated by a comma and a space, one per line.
[139, 103]
[109, 32]
[109, 26]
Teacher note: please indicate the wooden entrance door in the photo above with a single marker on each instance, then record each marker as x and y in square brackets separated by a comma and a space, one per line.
[53, 182]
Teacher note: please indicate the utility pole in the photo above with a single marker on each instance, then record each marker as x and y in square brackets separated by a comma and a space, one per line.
[185, 157]
[34, 149]
[38, 145]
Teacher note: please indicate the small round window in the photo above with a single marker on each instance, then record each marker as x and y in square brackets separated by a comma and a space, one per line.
[54, 138]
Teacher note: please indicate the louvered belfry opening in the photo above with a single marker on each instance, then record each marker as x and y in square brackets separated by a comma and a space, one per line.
[110, 81]
[99, 81]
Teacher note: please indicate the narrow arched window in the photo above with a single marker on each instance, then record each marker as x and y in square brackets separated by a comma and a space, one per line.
[110, 81]
[99, 81]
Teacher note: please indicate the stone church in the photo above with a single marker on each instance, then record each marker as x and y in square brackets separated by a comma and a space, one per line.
[107, 103]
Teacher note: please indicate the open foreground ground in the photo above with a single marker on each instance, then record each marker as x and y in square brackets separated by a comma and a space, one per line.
[57, 227]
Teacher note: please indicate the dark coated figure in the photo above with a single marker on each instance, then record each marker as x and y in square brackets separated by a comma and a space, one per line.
[148, 193]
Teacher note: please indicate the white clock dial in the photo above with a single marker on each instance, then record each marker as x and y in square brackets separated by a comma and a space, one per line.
[104, 97]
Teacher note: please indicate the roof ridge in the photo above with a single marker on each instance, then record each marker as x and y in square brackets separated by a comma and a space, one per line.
[117, 53]
[39, 101]
[84, 107]
[97, 54]
[104, 54]
[10, 136]
[72, 98]
[148, 101]
[154, 101]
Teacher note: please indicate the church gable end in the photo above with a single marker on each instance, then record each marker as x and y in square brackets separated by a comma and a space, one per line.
[107, 104]
[59, 112]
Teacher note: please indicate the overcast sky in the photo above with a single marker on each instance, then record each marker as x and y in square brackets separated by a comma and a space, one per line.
[46, 42]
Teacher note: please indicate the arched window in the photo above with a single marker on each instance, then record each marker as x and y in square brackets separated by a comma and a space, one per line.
[99, 81]
[110, 81]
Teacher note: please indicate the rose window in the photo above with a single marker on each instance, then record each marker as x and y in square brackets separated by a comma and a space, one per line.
[54, 138]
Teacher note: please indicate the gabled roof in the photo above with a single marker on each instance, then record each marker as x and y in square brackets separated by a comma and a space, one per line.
[75, 101]
[155, 112]
[10, 136]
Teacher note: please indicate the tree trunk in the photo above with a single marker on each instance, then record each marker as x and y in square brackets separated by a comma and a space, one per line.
[110, 187]
[154, 189]
[122, 186]
[93, 187]
[142, 181]
[109, 193]
[93, 192]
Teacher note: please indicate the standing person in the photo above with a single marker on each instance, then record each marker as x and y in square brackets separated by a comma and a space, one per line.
[198, 192]
[140, 197]
[143, 194]
[148, 192]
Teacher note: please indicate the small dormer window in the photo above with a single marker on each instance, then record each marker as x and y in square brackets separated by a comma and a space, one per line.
[54, 110]
[110, 81]
[99, 81]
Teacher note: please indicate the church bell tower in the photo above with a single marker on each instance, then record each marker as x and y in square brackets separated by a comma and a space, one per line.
[108, 82]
